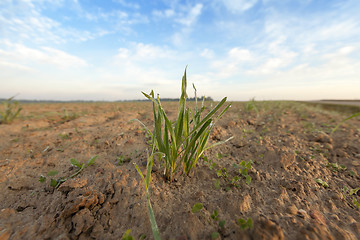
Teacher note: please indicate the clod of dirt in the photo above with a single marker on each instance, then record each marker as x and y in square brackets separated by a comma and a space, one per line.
[267, 229]
[323, 138]
[82, 221]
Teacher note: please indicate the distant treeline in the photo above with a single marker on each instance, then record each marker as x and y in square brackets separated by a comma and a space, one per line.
[173, 99]
[91, 101]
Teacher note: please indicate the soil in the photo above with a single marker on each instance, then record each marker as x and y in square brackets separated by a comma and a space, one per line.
[288, 144]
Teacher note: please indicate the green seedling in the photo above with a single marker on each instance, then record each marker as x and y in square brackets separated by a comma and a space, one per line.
[243, 172]
[57, 182]
[245, 224]
[337, 126]
[219, 156]
[210, 163]
[217, 184]
[197, 207]
[64, 136]
[222, 173]
[127, 235]
[352, 193]
[336, 167]
[184, 140]
[147, 180]
[11, 111]
[322, 183]
[68, 117]
[244, 169]
[121, 160]
[251, 105]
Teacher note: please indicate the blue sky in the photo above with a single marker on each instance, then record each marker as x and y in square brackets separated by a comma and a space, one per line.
[114, 49]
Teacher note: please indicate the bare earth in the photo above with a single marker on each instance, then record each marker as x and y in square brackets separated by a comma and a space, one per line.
[289, 145]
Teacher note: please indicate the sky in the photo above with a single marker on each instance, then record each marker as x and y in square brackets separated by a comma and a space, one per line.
[114, 49]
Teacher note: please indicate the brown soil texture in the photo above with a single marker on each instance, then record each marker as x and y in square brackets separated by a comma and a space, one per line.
[288, 143]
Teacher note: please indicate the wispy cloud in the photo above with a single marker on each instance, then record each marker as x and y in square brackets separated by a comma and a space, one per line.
[15, 53]
[235, 6]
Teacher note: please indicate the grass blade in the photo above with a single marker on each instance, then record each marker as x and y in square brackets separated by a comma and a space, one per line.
[352, 116]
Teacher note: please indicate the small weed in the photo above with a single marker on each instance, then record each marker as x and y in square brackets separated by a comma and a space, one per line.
[127, 235]
[64, 136]
[245, 224]
[210, 163]
[351, 193]
[68, 117]
[197, 207]
[219, 156]
[336, 167]
[251, 105]
[243, 172]
[11, 111]
[122, 159]
[57, 182]
[322, 183]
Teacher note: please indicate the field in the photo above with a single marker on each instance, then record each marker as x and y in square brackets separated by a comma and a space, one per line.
[303, 185]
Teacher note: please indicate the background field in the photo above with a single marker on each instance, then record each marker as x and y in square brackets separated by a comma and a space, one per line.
[288, 143]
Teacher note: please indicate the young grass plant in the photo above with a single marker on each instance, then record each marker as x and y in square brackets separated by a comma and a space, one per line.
[183, 141]
[12, 110]
[147, 180]
[352, 116]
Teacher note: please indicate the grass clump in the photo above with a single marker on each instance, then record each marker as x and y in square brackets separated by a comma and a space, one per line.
[11, 111]
[184, 140]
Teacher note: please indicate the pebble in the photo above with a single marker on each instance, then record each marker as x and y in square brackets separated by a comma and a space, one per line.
[318, 216]
[245, 204]
[302, 213]
[334, 217]
[292, 210]
[323, 138]
[4, 234]
[337, 196]
[356, 163]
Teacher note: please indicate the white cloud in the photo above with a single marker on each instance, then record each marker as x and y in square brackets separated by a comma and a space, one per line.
[6, 65]
[144, 52]
[127, 4]
[164, 14]
[192, 15]
[240, 55]
[207, 53]
[44, 56]
[238, 5]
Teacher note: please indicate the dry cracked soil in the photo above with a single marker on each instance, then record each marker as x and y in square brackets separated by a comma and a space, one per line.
[288, 144]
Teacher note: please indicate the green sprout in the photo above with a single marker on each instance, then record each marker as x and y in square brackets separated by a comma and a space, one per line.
[251, 105]
[352, 193]
[245, 224]
[337, 126]
[147, 180]
[57, 182]
[197, 207]
[322, 183]
[336, 167]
